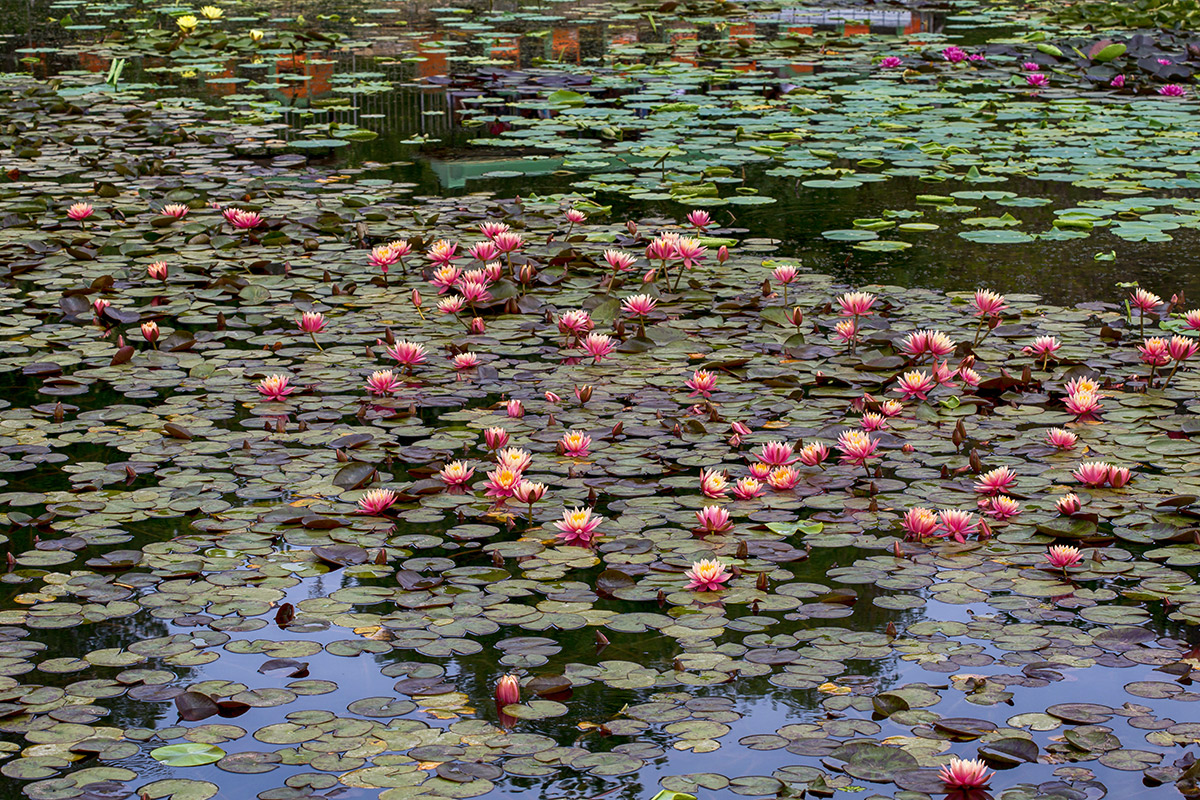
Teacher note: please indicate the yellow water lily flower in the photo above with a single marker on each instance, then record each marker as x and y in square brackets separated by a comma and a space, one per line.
[211, 12]
[256, 35]
[187, 23]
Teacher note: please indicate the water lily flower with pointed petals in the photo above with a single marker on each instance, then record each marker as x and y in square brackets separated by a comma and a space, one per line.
[954, 54]
[150, 331]
[813, 454]
[407, 354]
[620, 262]
[987, 303]
[874, 422]
[702, 383]
[465, 361]
[376, 501]
[1192, 319]
[484, 251]
[919, 523]
[1061, 438]
[856, 447]
[846, 331]
[699, 219]
[502, 482]
[311, 322]
[492, 229]
[890, 62]
[1155, 351]
[957, 525]
[445, 277]
[1119, 476]
[915, 385]
[1001, 508]
[508, 241]
[707, 575]
[456, 473]
[1068, 504]
[451, 305]
[777, 454]
[157, 271]
[514, 408]
[529, 492]
[383, 382]
[960, 774]
[175, 210]
[1181, 348]
[574, 323]
[1092, 473]
[80, 211]
[495, 438]
[781, 479]
[514, 458]
[638, 305]
[575, 444]
[442, 252]
[760, 470]
[1062, 556]
[598, 346]
[241, 219]
[1083, 404]
[275, 387]
[785, 274]
[713, 519]
[1172, 90]
[1037, 79]
[578, 526]
[713, 484]
[187, 23]
[997, 481]
[856, 304]
[748, 488]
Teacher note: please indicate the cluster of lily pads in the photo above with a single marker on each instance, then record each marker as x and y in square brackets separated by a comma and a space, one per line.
[315, 484]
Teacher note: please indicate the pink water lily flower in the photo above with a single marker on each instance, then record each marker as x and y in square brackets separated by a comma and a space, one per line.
[1172, 90]
[702, 383]
[713, 484]
[578, 526]
[157, 271]
[575, 444]
[856, 447]
[598, 345]
[442, 252]
[502, 482]
[508, 691]
[915, 385]
[1037, 79]
[620, 262]
[777, 454]
[1062, 556]
[515, 458]
[1061, 438]
[175, 210]
[707, 575]
[446, 277]
[700, 219]
[383, 382]
[954, 54]
[492, 229]
[1068, 504]
[241, 219]
[856, 304]
[846, 331]
[456, 473]
[1000, 508]
[465, 361]
[376, 501]
[748, 488]
[890, 62]
[639, 305]
[997, 481]
[813, 454]
[514, 408]
[957, 525]
[80, 211]
[919, 523]
[960, 774]
[781, 479]
[495, 438]
[484, 251]
[574, 323]
[1192, 319]
[713, 519]
[1092, 473]
[407, 354]
[275, 387]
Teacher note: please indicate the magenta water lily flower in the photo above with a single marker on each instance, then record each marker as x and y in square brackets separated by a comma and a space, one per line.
[702, 383]
[484, 251]
[514, 409]
[275, 387]
[856, 447]
[578, 526]
[922, 343]
[748, 488]
[707, 575]
[1118, 82]
[915, 385]
[575, 216]
[856, 304]
[1061, 438]
[442, 252]
[574, 323]
[1037, 80]
[1092, 473]
[1031, 66]
[713, 519]
[997, 481]
[575, 444]
[890, 62]
[407, 354]
[502, 482]
[919, 523]
[1192, 319]
[241, 219]
[713, 484]
[465, 361]
[376, 501]
[598, 346]
[508, 242]
[1062, 556]
[1172, 90]
[514, 458]
[777, 454]
[954, 54]
[957, 525]
[699, 219]
[492, 229]
[1068, 504]
[960, 774]
[382, 383]
[783, 479]
[456, 473]
[813, 454]
[494, 438]
[311, 322]
[80, 211]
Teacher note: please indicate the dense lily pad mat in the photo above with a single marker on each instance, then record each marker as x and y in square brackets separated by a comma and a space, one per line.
[224, 581]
